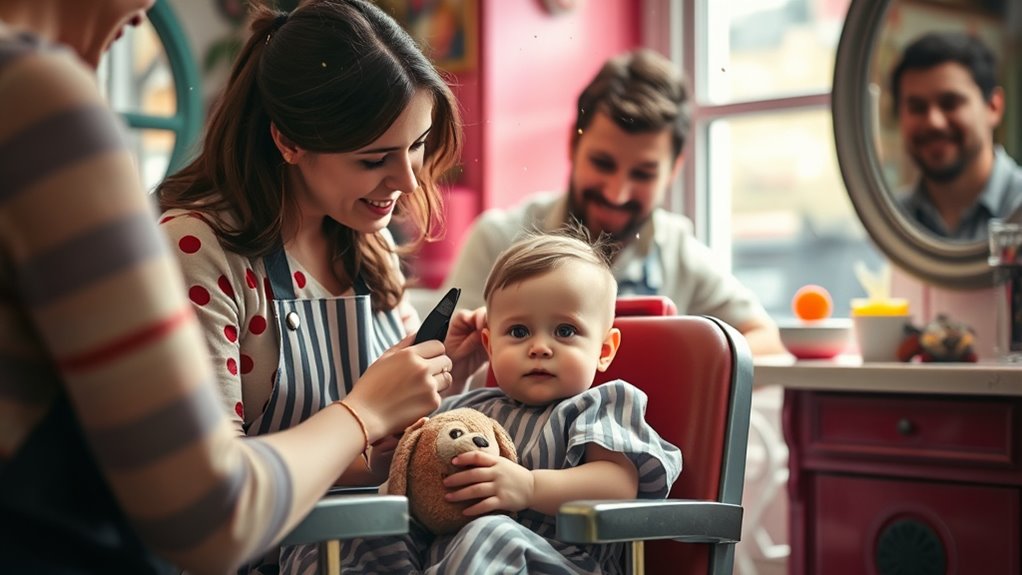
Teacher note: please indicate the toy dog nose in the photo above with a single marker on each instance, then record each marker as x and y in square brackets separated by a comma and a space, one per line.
[480, 442]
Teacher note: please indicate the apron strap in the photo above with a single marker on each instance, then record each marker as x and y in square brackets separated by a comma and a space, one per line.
[361, 288]
[280, 276]
[279, 273]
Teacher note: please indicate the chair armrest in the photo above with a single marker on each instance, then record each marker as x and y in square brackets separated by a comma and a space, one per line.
[338, 517]
[629, 520]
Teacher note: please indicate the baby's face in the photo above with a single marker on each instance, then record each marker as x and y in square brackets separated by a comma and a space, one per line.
[548, 335]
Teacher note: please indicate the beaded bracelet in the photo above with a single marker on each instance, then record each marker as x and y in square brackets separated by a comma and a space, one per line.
[362, 425]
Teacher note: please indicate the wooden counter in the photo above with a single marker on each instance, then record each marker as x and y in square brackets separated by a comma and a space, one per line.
[848, 373]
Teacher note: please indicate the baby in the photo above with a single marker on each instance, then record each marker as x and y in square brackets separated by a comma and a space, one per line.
[549, 329]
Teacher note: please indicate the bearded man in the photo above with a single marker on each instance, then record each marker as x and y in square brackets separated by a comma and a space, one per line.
[626, 149]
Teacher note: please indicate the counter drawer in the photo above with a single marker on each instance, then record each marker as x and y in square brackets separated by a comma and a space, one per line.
[980, 431]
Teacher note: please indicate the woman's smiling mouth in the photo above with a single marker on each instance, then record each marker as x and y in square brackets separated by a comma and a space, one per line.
[382, 204]
[379, 207]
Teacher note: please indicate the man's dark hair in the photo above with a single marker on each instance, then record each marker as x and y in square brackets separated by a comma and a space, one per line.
[641, 91]
[937, 48]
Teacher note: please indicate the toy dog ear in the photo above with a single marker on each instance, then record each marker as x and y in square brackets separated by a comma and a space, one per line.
[397, 479]
[507, 447]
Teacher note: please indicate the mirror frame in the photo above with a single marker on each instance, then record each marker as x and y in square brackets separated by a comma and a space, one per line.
[942, 263]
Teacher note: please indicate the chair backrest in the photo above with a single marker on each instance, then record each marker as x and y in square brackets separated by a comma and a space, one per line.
[697, 372]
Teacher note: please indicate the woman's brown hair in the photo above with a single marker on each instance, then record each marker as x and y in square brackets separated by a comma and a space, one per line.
[332, 76]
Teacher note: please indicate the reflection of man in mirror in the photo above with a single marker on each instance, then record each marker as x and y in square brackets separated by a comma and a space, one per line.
[948, 103]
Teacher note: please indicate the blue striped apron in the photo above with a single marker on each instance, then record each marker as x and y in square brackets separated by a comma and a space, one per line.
[325, 346]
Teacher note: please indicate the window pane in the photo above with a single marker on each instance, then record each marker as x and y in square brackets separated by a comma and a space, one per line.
[791, 221]
[153, 149]
[759, 49]
[136, 78]
[136, 75]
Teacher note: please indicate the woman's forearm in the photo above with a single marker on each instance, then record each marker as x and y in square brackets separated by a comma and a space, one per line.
[319, 451]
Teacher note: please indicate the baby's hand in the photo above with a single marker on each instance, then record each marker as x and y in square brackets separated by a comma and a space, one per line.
[497, 482]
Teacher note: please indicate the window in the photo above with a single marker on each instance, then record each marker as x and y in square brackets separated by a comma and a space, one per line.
[762, 178]
[149, 77]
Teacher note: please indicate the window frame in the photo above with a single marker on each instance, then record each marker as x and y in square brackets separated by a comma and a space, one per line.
[680, 36]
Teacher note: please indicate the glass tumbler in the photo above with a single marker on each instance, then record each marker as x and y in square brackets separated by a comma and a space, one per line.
[1006, 259]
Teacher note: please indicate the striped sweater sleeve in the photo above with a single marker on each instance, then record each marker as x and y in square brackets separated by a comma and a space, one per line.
[103, 296]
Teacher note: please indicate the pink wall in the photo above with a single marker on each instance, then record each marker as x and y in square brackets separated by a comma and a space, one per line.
[533, 66]
[518, 105]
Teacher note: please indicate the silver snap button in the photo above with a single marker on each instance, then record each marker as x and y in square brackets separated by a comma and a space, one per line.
[293, 322]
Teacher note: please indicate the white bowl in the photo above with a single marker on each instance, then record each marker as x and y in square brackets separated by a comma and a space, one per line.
[821, 339]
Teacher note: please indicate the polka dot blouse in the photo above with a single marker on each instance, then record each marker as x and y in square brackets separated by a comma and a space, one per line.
[233, 299]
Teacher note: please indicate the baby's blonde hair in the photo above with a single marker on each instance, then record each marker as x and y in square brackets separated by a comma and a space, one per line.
[539, 253]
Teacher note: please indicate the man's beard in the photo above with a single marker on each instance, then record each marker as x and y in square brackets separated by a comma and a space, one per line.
[944, 174]
[577, 211]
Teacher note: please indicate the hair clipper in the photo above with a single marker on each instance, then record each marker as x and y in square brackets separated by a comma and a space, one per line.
[436, 323]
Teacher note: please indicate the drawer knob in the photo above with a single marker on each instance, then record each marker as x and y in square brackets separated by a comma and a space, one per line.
[905, 427]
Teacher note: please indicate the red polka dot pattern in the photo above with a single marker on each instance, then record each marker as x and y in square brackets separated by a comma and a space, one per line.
[299, 280]
[231, 333]
[250, 279]
[257, 325]
[246, 363]
[225, 286]
[232, 366]
[239, 409]
[199, 295]
[189, 244]
[166, 219]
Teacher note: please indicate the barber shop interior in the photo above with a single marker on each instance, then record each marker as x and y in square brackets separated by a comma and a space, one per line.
[279, 288]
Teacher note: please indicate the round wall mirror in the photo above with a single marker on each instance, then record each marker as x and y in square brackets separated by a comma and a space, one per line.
[874, 163]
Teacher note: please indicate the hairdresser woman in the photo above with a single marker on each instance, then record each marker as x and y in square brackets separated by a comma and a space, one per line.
[332, 122]
[115, 454]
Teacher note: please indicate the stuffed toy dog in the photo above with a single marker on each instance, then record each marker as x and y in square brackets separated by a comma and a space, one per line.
[422, 460]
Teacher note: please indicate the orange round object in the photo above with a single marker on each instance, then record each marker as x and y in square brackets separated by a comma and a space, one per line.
[812, 302]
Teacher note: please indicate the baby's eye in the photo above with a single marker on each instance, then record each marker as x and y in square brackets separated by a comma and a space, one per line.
[565, 330]
[456, 433]
[518, 331]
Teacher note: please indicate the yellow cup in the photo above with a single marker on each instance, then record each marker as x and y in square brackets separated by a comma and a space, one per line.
[879, 327]
[889, 306]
